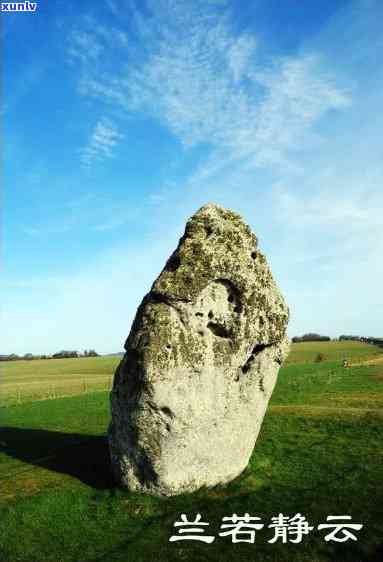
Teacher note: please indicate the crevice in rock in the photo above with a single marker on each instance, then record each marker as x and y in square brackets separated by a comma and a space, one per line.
[257, 349]
[234, 296]
[261, 387]
[167, 411]
[158, 298]
[173, 263]
[246, 366]
[260, 347]
[164, 299]
[219, 330]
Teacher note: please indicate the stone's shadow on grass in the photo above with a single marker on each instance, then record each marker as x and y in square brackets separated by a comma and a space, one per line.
[284, 476]
[85, 457]
[151, 534]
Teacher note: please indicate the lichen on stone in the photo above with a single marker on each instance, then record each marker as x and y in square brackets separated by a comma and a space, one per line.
[201, 362]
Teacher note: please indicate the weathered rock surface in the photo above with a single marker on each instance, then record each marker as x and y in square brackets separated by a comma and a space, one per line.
[201, 362]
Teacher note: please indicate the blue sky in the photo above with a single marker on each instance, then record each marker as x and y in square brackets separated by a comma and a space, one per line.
[122, 118]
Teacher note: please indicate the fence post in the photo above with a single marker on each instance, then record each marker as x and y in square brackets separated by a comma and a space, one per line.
[84, 384]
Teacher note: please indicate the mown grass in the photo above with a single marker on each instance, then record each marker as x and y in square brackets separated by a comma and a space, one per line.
[319, 453]
[23, 381]
[45, 369]
[306, 352]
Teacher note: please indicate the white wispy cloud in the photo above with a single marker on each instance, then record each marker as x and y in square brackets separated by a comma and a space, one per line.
[88, 42]
[103, 140]
[84, 47]
[207, 84]
[210, 86]
[239, 56]
[327, 208]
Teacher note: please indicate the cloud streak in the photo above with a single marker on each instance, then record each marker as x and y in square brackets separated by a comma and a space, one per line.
[102, 143]
[209, 85]
[236, 108]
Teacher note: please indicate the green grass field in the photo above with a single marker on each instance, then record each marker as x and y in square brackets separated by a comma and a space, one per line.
[305, 352]
[23, 381]
[319, 453]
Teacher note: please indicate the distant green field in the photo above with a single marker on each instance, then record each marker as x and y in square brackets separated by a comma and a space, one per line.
[23, 381]
[44, 369]
[306, 352]
[319, 453]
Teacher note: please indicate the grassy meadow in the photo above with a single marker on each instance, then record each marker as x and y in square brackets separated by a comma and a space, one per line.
[354, 351]
[319, 453]
[23, 381]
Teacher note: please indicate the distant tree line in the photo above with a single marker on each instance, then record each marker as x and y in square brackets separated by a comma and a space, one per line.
[317, 337]
[370, 340]
[310, 337]
[64, 354]
[350, 338]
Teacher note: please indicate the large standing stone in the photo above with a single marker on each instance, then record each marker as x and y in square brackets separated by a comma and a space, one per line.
[201, 362]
